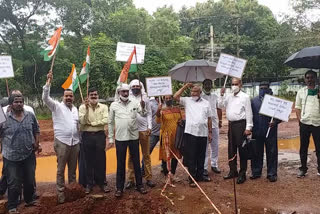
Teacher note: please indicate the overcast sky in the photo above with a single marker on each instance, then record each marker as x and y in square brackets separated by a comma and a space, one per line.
[278, 7]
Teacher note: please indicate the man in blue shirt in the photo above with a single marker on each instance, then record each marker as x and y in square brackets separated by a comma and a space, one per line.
[19, 137]
[261, 124]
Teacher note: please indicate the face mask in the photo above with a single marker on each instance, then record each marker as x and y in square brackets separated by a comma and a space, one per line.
[124, 98]
[235, 89]
[195, 98]
[206, 92]
[169, 102]
[264, 91]
[136, 91]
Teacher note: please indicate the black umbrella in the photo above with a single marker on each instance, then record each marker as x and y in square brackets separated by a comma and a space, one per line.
[305, 58]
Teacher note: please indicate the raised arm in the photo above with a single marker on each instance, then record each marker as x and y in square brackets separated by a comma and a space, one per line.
[46, 93]
[177, 95]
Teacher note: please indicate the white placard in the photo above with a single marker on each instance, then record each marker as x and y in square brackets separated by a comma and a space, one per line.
[231, 66]
[276, 107]
[3, 117]
[6, 67]
[125, 49]
[158, 86]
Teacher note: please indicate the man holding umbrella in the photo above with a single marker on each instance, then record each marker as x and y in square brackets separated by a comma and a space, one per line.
[308, 115]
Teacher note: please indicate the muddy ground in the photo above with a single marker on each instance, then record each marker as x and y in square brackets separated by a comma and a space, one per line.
[288, 195]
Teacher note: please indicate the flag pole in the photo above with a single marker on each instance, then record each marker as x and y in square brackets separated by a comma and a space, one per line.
[80, 88]
[137, 69]
[88, 85]
[54, 57]
[7, 85]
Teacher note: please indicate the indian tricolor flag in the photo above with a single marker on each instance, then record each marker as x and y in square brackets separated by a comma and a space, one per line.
[49, 52]
[125, 70]
[85, 68]
[72, 80]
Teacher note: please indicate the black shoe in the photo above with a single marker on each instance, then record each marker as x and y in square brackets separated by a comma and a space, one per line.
[241, 179]
[150, 184]
[252, 177]
[231, 175]
[142, 190]
[104, 188]
[216, 170]
[302, 173]
[130, 185]
[272, 178]
[205, 172]
[118, 193]
[88, 189]
[206, 179]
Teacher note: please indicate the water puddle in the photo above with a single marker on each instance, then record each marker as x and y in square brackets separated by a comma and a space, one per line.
[47, 166]
[293, 144]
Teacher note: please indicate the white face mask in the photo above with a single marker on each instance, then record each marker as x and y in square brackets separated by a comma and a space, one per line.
[124, 98]
[195, 98]
[235, 89]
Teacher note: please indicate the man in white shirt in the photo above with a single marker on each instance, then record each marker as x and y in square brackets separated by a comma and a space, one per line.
[123, 117]
[212, 98]
[239, 115]
[65, 119]
[144, 124]
[198, 131]
[308, 113]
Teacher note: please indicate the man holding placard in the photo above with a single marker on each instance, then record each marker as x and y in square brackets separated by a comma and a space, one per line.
[308, 114]
[239, 115]
[259, 132]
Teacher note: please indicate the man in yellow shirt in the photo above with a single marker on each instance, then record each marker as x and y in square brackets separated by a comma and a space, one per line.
[93, 117]
[308, 114]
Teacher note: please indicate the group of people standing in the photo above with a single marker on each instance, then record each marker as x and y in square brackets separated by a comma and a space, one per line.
[132, 120]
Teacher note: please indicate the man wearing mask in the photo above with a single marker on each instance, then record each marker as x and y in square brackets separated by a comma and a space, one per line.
[144, 124]
[239, 115]
[93, 117]
[208, 95]
[123, 119]
[261, 124]
[198, 130]
[65, 119]
[308, 115]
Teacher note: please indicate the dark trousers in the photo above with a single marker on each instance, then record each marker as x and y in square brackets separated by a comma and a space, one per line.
[94, 144]
[18, 173]
[154, 139]
[3, 181]
[271, 144]
[121, 151]
[195, 153]
[174, 163]
[235, 140]
[305, 132]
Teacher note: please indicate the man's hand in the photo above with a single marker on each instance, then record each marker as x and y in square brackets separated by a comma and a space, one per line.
[36, 147]
[188, 85]
[49, 77]
[143, 104]
[159, 107]
[220, 124]
[148, 132]
[247, 132]
[272, 124]
[210, 137]
[109, 145]
[86, 103]
[222, 91]
[39, 149]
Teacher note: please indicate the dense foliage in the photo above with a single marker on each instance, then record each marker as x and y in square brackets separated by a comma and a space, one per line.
[240, 27]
